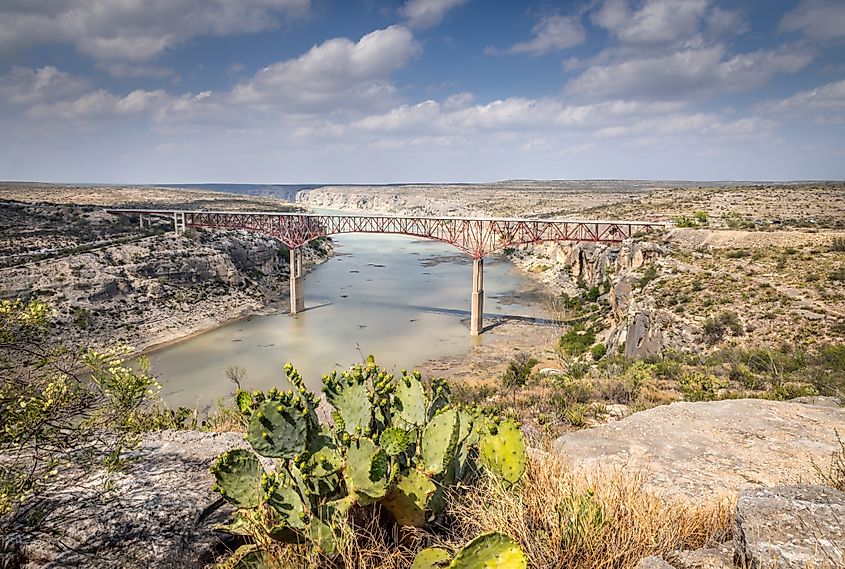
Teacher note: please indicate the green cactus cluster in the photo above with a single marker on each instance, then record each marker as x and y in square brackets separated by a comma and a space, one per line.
[487, 551]
[391, 441]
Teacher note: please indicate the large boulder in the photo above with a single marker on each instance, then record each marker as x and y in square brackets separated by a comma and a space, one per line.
[712, 448]
[157, 512]
[790, 527]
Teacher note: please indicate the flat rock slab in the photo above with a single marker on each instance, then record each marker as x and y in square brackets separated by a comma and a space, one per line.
[790, 527]
[157, 512]
[712, 448]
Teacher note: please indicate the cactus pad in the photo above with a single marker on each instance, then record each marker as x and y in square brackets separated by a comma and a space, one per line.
[490, 551]
[366, 470]
[395, 441]
[410, 400]
[503, 453]
[408, 498]
[238, 478]
[431, 558]
[280, 428]
[350, 397]
[286, 504]
[439, 440]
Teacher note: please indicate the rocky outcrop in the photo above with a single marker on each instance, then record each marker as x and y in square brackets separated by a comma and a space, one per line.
[158, 288]
[790, 527]
[158, 512]
[712, 448]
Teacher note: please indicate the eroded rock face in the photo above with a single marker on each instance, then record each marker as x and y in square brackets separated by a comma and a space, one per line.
[790, 527]
[159, 511]
[712, 448]
[653, 562]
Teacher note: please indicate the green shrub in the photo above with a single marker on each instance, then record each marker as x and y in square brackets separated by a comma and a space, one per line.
[56, 402]
[593, 294]
[684, 221]
[716, 327]
[519, 370]
[576, 341]
[701, 216]
[649, 274]
[598, 351]
[701, 386]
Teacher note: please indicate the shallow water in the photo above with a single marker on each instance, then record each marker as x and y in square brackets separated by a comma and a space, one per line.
[403, 299]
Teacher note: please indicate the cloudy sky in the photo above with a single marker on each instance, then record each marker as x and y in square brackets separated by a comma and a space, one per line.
[319, 91]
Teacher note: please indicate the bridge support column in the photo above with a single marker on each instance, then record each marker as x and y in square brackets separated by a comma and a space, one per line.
[297, 286]
[476, 321]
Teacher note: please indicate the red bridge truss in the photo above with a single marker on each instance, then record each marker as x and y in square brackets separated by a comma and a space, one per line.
[475, 236]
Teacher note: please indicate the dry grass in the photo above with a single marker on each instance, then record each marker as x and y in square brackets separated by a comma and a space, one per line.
[566, 520]
[561, 520]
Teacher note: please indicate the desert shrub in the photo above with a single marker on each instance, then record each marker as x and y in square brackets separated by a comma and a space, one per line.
[701, 216]
[575, 414]
[717, 326]
[737, 253]
[685, 221]
[837, 244]
[701, 386]
[60, 407]
[593, 294]
[790, 390]
[576, 341]
[649, 274]
[598, 351]
[519, 370]
[837, 275]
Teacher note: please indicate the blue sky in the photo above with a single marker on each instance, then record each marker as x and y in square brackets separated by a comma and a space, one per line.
[363, 91]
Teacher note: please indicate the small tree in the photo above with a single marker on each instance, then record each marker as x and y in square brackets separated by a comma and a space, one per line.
[519, 370]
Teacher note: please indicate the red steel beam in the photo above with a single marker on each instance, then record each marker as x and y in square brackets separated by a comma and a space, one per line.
[476, 237]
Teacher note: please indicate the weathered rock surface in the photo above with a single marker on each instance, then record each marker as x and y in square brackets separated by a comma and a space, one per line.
[158, 512]
[720, 557]
[712, 448]
[790, 527]
[653, 562]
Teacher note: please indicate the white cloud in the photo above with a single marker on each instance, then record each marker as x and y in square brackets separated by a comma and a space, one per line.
[337, 74]
[828, 97]
[657, 22]
[688, 72]
[427, 13]
[26, 86]
[101, 103]
[133, 30]
[553, 33]
[818, 19]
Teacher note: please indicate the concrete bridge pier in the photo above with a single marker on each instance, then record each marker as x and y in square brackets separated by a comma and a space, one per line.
[476, 320]
[297, 285]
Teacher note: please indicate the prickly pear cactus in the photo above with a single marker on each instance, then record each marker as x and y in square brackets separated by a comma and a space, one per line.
[408, 498]
[487, 551]
[439, 439]
[431, 558]
[238, 478]
[395, 441]
[410, 400]
[502, 450]
[350, 396]
[280, 428]
[367, 470]
[490, 551]
[392, 441]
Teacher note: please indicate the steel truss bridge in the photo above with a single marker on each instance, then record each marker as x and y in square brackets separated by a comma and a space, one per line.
[475, 236]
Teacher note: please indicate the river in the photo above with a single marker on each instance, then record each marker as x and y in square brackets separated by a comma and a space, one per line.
[402, 299]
